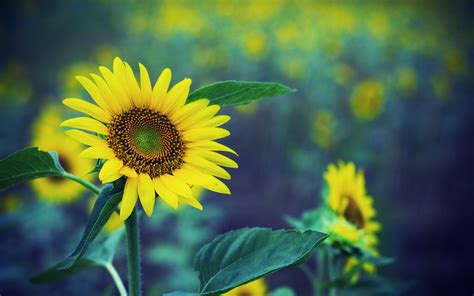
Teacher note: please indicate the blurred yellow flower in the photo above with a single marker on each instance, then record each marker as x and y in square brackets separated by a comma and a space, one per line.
[352, 262]
[255, 44]
[406, 79]
[343, 74]
[367, 100]
[323, 128]
[255, 288]
[48, 137]
[10, 203]
[347, 198]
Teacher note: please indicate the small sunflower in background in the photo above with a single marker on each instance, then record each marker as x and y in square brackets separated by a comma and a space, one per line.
[367, 100]
[255, 288]
[48, 137]
[150, 135]
[354, 222]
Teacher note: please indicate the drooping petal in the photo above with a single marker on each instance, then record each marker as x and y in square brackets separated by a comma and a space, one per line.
[193, 176]
[110, 168]
[86, 123]
[192, 202]
[165, 194]
[160, 89]
[146, 193]
[129, 199]
[86, 138]
[98, 152]
[129, 172]
[88, 108]
[176, 185]
[213, 122]
[207, 133]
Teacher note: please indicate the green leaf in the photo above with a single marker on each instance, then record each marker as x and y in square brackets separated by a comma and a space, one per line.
[109, 197]
[178, 293]
[233, 92]
[100, 253]
[28, 164]
[238, 257]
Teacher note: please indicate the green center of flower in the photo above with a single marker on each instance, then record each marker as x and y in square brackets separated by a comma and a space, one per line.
[146, 141]
[352, 212]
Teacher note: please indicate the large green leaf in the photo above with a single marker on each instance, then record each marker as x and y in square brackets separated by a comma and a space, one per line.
[238, 257]
[233, 92]
[101, 253]
[109, 197]
[28, 164]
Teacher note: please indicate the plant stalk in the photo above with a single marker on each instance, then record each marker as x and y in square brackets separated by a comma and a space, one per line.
[117, 280]
[133, 255]
[83, 182]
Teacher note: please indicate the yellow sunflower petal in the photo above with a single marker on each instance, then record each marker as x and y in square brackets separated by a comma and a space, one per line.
[207, 133]
[213, 122]
[207, 166]
[107, 94]
[112, 178]
[192, 202]
[165, 194]
[145, 85]
[86, 138]
[88, 108]
[133, 85]
[98, 152]
[193, 176]
[177, 96]
[111, 167]
[129, 199]
[199, 117]
[211, 145]
[94, 92]
[215, 158]
[129, 172]
[146, 193]
[117, 90]
[188, 110]
[160, 89]
[176, 185]
[86, 123]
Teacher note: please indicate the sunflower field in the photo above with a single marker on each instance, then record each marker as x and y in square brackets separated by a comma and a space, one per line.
[236, 147]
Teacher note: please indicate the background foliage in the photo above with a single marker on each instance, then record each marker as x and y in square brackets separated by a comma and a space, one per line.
[388, 86]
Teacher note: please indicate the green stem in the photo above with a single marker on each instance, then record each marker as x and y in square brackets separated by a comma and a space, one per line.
[133, 255]
[320, 274]
[117, 280]
[83, 182]
[332, 272]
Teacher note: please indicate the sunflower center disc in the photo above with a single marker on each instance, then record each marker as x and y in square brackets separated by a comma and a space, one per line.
[352, 213]
[146, 141]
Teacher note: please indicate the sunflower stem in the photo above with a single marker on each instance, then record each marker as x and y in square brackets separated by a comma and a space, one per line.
[117, 280]
[133, 255]
[332, 272]
[83, 182]
[320, 274]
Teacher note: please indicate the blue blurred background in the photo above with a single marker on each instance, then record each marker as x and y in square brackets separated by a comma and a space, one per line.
[385, 85]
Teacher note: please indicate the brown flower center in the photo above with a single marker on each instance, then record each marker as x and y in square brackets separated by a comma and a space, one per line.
[146, 141]
[352, 212]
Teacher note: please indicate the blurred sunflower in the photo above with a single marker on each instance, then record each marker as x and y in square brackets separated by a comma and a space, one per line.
[367, 100]
[47, 137]
[151, 136]
[347, 198]
[355, 224]
[10, 203]
[255, 288]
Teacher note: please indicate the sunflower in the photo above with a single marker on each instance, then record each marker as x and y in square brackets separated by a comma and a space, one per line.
[255, 288]
[151, 136]
[367, 100]
[347, 198]
[47, 137]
